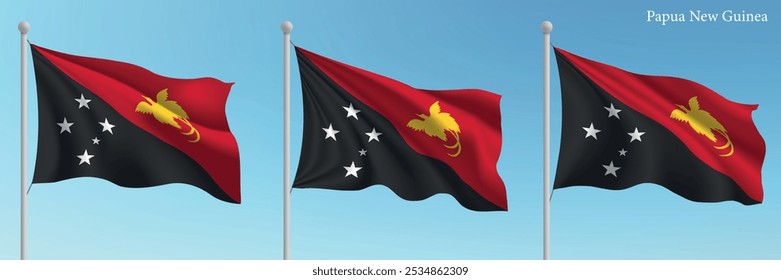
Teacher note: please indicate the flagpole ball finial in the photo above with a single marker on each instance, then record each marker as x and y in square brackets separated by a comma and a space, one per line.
[287, 26]
[547, 27]
[24, 27]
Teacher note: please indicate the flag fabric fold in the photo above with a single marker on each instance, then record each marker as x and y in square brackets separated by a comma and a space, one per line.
[363, 129]
[620, 129]
[122, 123]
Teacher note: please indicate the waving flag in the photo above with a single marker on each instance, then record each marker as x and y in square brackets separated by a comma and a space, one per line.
[362, 129]
[620, 129]
[123, 123]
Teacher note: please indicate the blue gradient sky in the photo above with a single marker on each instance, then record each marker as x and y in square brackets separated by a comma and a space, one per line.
[492, 45]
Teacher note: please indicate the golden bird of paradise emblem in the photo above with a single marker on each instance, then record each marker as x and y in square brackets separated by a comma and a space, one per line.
[703, 123]
[167, 112]
[436, 124]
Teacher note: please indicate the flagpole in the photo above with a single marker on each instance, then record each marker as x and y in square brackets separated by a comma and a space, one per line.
[24, 27]
[286, 28]
[547, 27]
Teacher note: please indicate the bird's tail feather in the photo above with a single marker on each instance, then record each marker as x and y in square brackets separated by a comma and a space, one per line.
[192, 131]
[726, 145]
[457, 145]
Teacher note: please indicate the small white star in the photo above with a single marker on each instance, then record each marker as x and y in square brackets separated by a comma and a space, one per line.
[362, 152]
[83, 102]
[352, 112]
[591, 131]
[107, 126]
[612, 111]
[96, 141]
[610, 169]
[636, 135]
[374, 135]
[330, 132]
[352, 170]
[85, 158]
[65, 126]
[622, 152]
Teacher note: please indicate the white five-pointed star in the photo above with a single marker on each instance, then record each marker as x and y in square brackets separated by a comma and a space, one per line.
[612, 111]
[374, 135]
[591, 131]
[352, 170]
[83, 102]
[330, 132]
[352, 112]
[622, 152]
[107, 126]
[362, 152]
[65, 126]
[96, 141]
[85, 158]
[610, 169]
[636, 135]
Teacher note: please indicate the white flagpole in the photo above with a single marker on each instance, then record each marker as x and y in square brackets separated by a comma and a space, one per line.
[24, 27]
[286, 28]
[547, 27]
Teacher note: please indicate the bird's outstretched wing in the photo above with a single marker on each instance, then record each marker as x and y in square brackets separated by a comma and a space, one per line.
[144, 108]
[694, 104]
[434, 109]
[173, 106]
[700, 124]
[429, 127]
[162, 95]
[679, 115]
[416, 125]
[447, 122]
